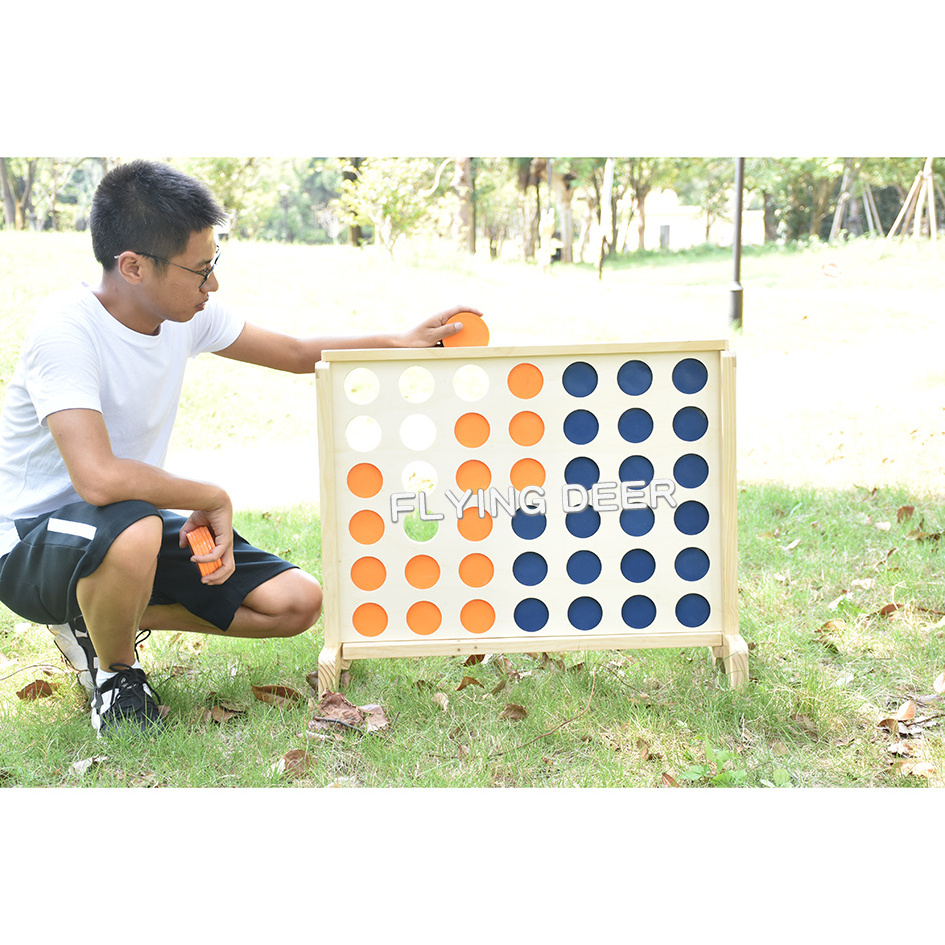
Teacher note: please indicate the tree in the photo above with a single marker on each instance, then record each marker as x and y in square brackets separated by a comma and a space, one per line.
[529, 172]
[497, 202]
[706, 183]
[642, 176]
[232, 179]
[392, 194]
[16, 182]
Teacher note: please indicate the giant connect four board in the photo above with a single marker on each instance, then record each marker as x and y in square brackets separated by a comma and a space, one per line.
[528, 499]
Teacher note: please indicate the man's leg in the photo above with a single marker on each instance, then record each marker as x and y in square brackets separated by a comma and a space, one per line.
[283, 606]
[114, 596]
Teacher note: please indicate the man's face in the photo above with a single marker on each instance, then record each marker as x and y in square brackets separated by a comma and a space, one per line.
[177, 293]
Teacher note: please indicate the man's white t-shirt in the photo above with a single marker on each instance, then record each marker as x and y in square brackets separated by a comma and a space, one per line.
[77, 355]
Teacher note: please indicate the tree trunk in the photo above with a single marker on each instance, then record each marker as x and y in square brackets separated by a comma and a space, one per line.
[464, 220]
[563, 194]
[607, 214]
[9, 204]
[18, 209]
[770, 218]
[640, 200]
[821, 190]
[355, 237]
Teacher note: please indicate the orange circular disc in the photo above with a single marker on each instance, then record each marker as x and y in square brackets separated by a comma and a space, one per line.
[473, 475]
[422, 571]
[366, 527]
[475, 332]
[424, 618]
[525, 381]
[368, 574]
[370, 620]
[476, 570]
[365, 480]
[527, 472]
[477, 616]
[472, 430]
[472, 527]
[526, 428]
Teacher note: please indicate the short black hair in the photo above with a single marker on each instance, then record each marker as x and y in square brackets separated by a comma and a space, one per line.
[149, 207]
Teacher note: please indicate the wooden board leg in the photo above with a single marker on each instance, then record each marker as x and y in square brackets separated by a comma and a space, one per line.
[329, 669]
[733, 657]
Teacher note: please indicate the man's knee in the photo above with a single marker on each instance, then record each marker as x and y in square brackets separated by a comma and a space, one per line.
[291, 602]
[304, 606]
[135, 550]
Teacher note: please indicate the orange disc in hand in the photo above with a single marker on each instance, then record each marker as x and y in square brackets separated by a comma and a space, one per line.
[475, 332]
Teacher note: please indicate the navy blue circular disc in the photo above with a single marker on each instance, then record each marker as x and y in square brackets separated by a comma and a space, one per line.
[583, 524]
[638, 612]
[636, 469]
[530, 614]
[692, 564]
[582, 471]
[638, 565]
[692, 610]
[690, 471]
[529, 568]
[581, 426]
[690, 423]
[691, 518]
[635, 425]
[690, 376]
[579, 379]
[585, 613]
[528, 526]
[637, 522]
[584, 567]
[634, 378]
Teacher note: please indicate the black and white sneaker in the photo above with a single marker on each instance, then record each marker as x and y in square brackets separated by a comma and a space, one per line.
[73, 641]
[124, 698]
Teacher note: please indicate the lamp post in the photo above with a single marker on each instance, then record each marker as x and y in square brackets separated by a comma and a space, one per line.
[737, 292]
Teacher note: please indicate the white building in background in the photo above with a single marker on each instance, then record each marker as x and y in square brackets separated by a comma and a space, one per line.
[671, 225]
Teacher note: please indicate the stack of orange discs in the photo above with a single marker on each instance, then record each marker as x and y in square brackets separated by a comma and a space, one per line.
[202, 543]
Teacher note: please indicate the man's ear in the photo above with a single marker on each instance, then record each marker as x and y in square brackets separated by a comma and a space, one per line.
[130, 267]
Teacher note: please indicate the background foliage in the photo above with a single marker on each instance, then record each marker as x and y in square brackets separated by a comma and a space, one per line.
[497, 201]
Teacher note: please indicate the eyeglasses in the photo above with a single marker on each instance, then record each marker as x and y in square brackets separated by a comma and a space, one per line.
[197, 272]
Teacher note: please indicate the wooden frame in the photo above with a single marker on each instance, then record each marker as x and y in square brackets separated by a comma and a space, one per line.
[406, 427]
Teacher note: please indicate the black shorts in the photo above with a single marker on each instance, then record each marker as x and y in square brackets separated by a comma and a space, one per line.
[38, 577]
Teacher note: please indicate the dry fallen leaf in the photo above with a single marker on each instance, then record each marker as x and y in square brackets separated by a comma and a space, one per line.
[891, 726]
[906, 711]
[442, 700]
[514, 712]
[888, 610]
[473, 658]
[335, 707]
[38, 689]
[939, 684]
[80, 767]
[374, 718]
[294, 763]
[918, 769]
[900, 748]
[904, 513]
[467, 681]
[277, 695]
[220, 714]
[668, 781]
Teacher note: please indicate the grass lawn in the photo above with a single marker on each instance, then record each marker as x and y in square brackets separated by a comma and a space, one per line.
[840, 424]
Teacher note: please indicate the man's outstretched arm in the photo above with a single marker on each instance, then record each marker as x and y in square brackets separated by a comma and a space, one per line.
[271, 349]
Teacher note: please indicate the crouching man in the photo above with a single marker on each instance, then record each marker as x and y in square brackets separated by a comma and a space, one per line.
[88, 545]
